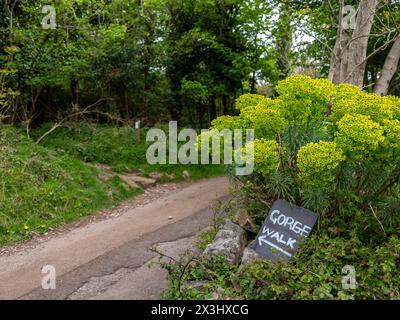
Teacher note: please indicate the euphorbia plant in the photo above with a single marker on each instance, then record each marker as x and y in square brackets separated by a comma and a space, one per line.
[328, 148]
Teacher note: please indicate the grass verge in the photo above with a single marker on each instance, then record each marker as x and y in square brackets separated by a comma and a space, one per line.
[116, 147]
[44, 186]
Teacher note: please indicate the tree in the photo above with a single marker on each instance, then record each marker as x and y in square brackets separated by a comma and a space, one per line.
[389, 69]
[359, 54]
[208, 53]
[349, 55]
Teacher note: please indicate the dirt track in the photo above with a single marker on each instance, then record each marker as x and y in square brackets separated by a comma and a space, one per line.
[108, 259]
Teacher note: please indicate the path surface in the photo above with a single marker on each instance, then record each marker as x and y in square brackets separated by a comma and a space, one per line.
[109, 259]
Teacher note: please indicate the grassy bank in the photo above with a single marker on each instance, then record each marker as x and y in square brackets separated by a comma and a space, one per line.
[116, 147]
[44, 186]
[41, 188]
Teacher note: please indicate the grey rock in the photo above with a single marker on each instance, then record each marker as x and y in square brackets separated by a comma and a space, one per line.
[229, 242]
[249, 256]
[156, 176]
[186, 175]
[133, 179]
[169, 176]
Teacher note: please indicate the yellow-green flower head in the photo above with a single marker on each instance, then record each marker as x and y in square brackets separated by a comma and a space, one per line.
[316, 161]
[249, 100]
[229, 122]
[351, 100]
[267, 118]
[304, 97]
[358, 135]
[392, 140]
[266, 158]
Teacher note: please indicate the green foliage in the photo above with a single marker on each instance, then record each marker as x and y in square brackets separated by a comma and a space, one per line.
[305, 99]
[249, 100]
[265, 155]
[351, 100]
[266, 118]
[228, 122]
[358, 136]
[315, 273]
[319, 160]
[7, 93]
[335, 147]
[116, 147]
[41, 189]
[392, 141]
[159, 59]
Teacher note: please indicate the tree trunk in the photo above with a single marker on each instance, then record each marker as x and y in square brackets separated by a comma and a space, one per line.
[284, 40]
[126, 103]
[389, 69]
[334, 69]
[253, 83]
[213, 109]
[349, 56]
[394, 87]
[359, 43]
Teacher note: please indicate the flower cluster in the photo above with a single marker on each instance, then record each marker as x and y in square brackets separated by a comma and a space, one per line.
[249, 100]
[317, 161]
[317, 141]
[358, 135]
[266, 157]
[267, 119]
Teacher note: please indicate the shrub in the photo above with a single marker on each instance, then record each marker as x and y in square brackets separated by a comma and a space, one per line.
[317, 162]
[265, 155]
[267, 119]
[358, 136]
[247, 100]
[338, 147]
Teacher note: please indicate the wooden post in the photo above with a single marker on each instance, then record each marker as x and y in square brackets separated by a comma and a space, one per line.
[137, 131]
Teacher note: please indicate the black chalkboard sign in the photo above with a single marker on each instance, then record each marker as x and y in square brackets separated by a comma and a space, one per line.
[285, 226]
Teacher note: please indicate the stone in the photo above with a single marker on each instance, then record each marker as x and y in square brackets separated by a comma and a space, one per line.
[249, 256]
[186, 175]
[138, 180]
[170, 176]
[229, 242]
[156, 176]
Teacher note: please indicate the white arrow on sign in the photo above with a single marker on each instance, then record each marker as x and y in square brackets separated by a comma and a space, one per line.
[263, 239]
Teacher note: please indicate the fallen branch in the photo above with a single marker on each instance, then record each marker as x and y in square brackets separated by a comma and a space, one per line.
[62, 121]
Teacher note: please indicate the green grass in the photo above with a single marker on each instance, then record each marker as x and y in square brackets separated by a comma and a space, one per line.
[44, 186]
[40, 188]
[116, 147]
